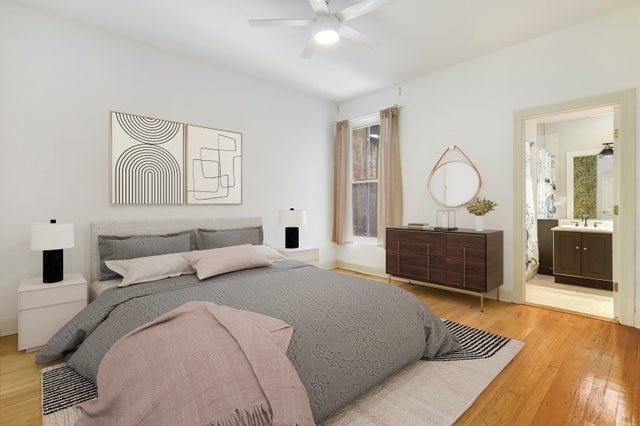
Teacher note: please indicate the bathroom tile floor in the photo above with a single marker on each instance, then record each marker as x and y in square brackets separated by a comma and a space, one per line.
[542, 290]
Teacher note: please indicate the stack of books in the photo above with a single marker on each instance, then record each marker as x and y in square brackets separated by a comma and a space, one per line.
[418, 225]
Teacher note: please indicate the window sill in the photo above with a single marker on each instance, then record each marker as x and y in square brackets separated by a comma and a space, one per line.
[368, 241]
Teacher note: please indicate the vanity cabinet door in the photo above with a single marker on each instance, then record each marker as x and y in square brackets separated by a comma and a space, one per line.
[567, 253]
[596, 256]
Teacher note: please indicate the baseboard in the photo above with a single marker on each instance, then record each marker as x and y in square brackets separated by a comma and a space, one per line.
[362, 269]
[637, 320]
[505, 295]
[8, 327]
[328, 265]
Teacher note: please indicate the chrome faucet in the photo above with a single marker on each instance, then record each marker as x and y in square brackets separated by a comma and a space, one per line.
[584, 218]
[595, 224]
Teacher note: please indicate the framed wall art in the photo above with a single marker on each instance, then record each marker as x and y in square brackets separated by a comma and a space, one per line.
[147, 160]
[213, 166]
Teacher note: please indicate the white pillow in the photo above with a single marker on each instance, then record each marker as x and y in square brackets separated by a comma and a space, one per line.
[225, 259]
[270, 253]
[151, 268]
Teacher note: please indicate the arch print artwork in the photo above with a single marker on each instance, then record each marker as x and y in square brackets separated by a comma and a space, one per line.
[147, 157]
[160, 162]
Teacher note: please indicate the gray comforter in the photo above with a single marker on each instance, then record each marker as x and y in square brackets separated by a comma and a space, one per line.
[350, 333]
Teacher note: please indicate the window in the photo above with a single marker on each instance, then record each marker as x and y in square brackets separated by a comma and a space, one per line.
[364, 180]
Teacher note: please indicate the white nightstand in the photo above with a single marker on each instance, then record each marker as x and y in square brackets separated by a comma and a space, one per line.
[44, 308]
[310, 255]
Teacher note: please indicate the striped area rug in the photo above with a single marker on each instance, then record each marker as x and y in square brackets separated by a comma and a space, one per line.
[474, 343]
[63, 387]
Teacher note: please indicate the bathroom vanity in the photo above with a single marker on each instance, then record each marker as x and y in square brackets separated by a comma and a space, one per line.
[583, 256]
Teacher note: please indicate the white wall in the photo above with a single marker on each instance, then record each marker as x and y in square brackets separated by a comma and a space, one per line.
[58, 81]
[472, 105]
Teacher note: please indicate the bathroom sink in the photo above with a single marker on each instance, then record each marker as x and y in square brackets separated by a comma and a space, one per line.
[582, 228]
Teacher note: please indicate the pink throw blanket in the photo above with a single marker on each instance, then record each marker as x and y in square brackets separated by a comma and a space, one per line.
[200, 364]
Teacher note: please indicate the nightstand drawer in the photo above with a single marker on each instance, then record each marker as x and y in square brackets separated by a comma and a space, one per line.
[305, 255]
[310, 255]
[52, 296]
[36, 326]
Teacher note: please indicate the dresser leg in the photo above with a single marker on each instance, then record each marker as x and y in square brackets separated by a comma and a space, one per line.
[389, 279]
[498, 294]
[482, 303]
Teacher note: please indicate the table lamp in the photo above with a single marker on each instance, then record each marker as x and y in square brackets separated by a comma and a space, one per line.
[52, 238]
[292, 220]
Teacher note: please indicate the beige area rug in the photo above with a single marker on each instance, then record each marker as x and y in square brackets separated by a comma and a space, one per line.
[427, 392]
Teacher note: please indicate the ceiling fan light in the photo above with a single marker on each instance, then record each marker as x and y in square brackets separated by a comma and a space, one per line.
[327, 36]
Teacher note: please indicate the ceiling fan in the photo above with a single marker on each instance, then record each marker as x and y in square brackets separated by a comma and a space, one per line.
[328, 27]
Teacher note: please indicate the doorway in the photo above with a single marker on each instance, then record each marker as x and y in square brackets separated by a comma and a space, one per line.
[574, 214]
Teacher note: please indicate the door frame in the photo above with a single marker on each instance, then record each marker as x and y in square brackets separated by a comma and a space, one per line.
[624, 249]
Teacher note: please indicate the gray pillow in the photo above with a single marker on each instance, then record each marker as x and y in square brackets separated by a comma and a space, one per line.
[216, 238]
[134, 246]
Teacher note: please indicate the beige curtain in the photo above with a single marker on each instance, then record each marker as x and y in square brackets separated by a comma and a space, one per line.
[341, 184]
[389, 174]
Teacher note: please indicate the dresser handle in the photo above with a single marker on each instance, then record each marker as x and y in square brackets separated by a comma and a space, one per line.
[464, 266]
[428, 262]
[577, 247]
[585, 249]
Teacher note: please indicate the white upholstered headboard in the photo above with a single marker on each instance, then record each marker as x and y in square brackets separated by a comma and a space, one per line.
[158, 226]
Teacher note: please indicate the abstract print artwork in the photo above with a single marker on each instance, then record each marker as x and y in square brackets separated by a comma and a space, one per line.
[147, 157]
[213, 166]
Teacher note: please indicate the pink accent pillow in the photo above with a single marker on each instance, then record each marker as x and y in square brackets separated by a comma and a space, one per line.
[208, 263]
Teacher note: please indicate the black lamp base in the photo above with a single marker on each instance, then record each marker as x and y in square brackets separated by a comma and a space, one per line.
[291, 237]
[52, 266]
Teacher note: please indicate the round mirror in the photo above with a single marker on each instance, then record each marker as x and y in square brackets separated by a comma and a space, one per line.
[453, 183]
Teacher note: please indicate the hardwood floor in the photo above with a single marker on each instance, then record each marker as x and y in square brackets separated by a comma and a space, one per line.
[573, 369]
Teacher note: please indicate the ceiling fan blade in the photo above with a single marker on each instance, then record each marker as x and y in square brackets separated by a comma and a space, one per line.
[354, 35]
[360, 9]
[320, 6]
[309, 49]
[280, 22]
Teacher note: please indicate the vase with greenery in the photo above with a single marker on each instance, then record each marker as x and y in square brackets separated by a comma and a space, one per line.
[479, 207]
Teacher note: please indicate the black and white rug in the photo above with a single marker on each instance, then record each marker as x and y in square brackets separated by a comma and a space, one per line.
[63, 387]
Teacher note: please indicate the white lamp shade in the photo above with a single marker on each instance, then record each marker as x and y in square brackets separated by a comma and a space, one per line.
[52, 236]
[293, 218]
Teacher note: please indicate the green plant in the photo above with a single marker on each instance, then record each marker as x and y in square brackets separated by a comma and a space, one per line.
[480, 206]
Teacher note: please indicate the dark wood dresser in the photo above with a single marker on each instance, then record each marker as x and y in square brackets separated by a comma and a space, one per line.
[464, 259]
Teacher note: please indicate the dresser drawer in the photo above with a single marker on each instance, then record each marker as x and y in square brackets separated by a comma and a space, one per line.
[414, 240]
[52, 296]
[468, 267]
[413, 259]
[437, 276]
[437, 262]
[412, 271]
[458, 252]
[468, 281]
[466, 240]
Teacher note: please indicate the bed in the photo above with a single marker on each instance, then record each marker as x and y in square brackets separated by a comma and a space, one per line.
[349, 333]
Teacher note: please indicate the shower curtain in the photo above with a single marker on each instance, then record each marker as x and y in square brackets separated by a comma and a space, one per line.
[530, 221]
[546, 185]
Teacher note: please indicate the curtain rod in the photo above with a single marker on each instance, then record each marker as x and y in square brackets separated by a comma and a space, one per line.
[369, 115]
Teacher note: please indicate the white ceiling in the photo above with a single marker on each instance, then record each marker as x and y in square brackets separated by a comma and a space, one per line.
[416, 36]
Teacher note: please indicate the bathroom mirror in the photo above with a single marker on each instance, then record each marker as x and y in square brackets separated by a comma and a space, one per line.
[572, 174]
[453, 183]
